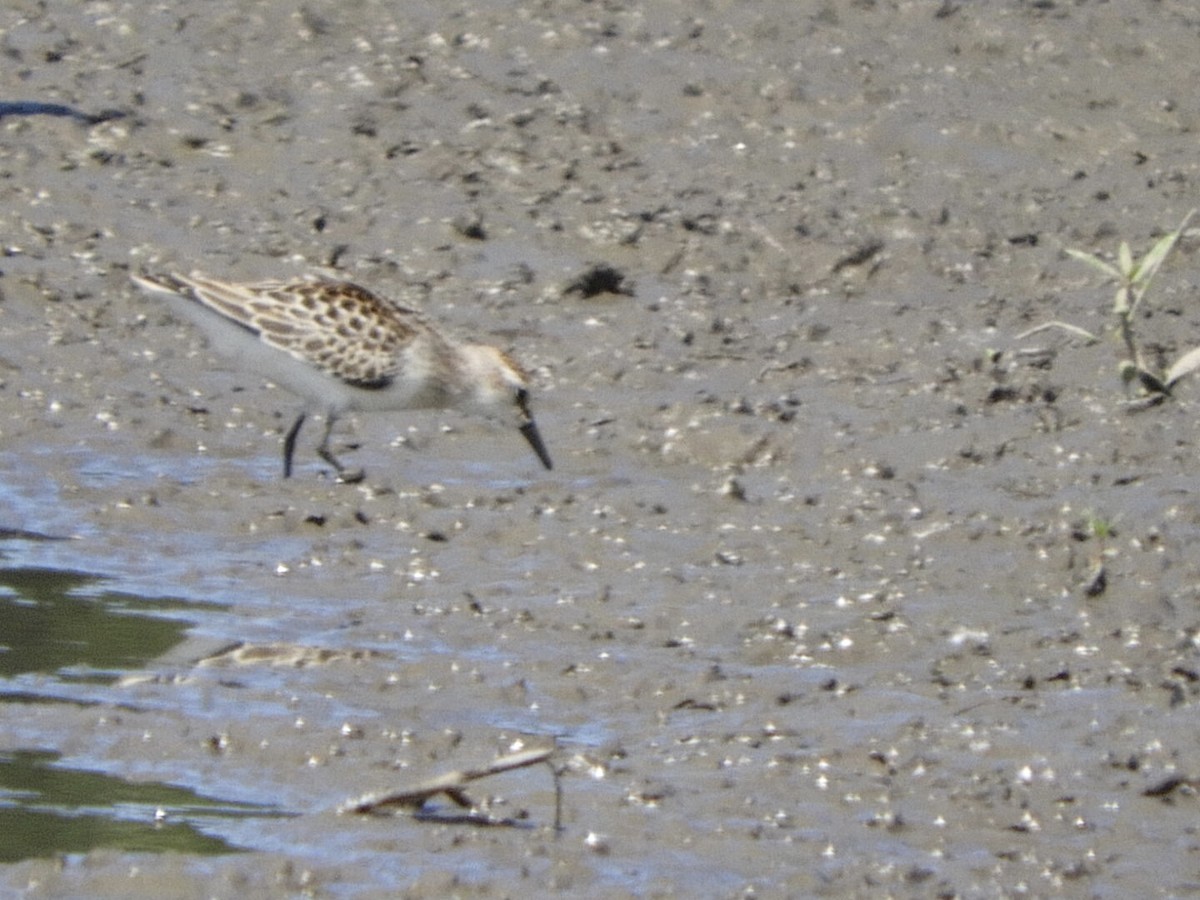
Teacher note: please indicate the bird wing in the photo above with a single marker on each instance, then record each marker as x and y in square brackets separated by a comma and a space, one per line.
[339, 327]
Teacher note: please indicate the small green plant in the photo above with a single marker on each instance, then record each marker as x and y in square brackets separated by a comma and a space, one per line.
[1133, 278]
[1098, 526]
[1101, 529]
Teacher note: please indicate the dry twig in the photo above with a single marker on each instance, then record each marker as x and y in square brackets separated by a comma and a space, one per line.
[452, 784]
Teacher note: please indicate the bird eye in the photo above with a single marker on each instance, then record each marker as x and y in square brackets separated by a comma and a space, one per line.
[523, 400]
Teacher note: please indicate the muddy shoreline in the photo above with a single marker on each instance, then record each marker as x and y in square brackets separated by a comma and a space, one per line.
[805, 602]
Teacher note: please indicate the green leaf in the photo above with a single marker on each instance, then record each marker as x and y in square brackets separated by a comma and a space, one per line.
[1185, 365]
[1107, 268]
[1125, 260]
[1121, 305]
[1149, 264]
[1065, 326]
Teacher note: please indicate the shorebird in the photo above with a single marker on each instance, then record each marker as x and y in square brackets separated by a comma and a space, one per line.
[343, 348]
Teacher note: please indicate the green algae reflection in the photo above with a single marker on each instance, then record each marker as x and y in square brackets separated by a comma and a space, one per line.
[63, 634]
[66, 623]
[47, 809]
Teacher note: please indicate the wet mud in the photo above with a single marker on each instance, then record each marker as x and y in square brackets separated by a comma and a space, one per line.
[839, 587]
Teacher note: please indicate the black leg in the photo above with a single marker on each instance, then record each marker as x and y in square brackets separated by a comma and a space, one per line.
[326, 454]
[323, 450]
[289, 445]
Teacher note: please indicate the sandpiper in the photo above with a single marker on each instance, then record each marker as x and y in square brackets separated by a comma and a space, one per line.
[343, 348]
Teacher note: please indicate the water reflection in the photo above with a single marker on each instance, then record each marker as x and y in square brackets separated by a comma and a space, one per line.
[47, 809]
[60, 631]
[64, 623]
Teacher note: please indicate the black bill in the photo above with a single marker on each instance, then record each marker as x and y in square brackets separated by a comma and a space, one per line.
[530, 433]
